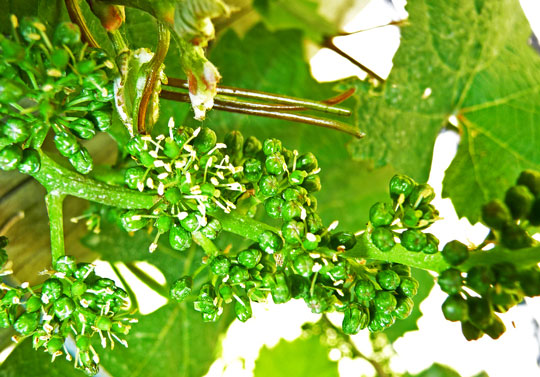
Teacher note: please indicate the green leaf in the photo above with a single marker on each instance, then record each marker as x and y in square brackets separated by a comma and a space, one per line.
[191, 27]
[399, 329]
[24, 361]
[274, 62]
[49, 13]
[116, 245]
[439, 370]
[302, 357]
[173, 341]
[300, 14]
[187, 18]
[474, 58]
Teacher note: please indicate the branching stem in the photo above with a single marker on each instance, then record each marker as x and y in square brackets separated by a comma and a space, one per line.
[60, 181]
[57, 178]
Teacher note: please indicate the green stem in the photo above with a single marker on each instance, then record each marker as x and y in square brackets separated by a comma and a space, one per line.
[207, 245]
[242, 225]
[119, 44]
[54, 201]
[60, 181]
[146, 279]
[365, 249]
[57, 178]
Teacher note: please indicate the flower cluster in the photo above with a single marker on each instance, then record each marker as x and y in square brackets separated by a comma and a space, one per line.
[72, 303]
[193, 178]
[51, 82]
[302, 259]
[411, 212]
[500, 286]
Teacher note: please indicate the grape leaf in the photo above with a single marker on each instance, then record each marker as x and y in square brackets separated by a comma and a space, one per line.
[274, 62]
[24, 361]
[47, 12]
[468, 59]
[399, 329]
[439, 370]
[300, 14]
[173, 341]
[116, 245]
[302, 357]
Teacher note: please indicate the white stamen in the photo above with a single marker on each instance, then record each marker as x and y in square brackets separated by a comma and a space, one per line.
[159, 163]
[161, 189]
[163, 175]
[225, 209]
[303, 213]
[150, 183]
[316, 267]
[182, 215]
[202, 220]
[333, 225]
[230, 204]
[140, 186]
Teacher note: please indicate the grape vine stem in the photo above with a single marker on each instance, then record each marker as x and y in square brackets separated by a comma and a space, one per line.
[54, 201]
[61, 181]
